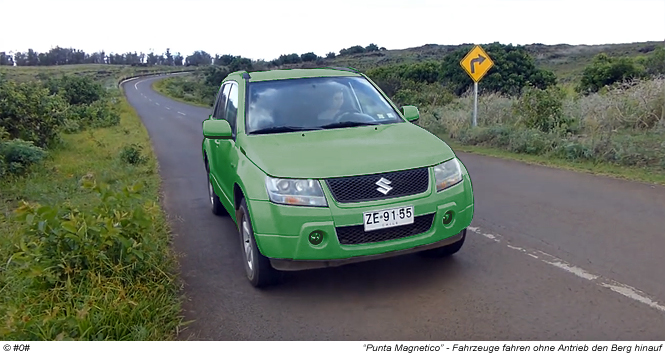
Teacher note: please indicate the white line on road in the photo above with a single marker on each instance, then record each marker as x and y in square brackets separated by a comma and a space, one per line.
[150, 100]
[157, 103]
[181, 113]
[624, 290]
[168, 108]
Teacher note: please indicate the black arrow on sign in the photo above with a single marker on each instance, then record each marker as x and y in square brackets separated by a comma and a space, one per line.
[478, 60]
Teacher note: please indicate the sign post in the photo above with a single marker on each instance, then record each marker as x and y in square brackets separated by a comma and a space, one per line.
[476, 63]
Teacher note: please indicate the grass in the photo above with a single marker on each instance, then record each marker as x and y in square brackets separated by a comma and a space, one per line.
[172, 88]
[644, 174]
[102, 306]
[616, 133]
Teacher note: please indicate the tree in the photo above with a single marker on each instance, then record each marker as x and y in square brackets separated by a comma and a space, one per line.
[606, 70]
[352, 50]
[6, 59]
[372, 48]
[199, 58]
[225, 59]
[309, 57]
[169, 57]
[178, 59]
[240, 63]
[513, 69]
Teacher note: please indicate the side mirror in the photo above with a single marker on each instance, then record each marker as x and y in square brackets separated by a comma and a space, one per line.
[216, 129]
[411, 113]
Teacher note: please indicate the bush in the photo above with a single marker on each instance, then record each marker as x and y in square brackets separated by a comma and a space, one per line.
[131, 154]
[99, 274]
[514, 68]
[574, 151]
[654, 64]
[65, 245]
[77, 90]
[541, 109]
[530, 141]
[29, 112]
[606, 70]
[98, 114]
[17, 156]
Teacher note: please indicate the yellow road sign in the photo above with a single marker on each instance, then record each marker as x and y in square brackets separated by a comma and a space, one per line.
[477, 63]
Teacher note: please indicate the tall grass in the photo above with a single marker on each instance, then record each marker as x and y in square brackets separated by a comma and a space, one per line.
[624, 125]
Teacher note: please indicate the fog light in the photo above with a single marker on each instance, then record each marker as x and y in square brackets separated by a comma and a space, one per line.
[448, 217]
[316, 237]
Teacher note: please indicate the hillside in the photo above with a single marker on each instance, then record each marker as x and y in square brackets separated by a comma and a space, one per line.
[566, 61]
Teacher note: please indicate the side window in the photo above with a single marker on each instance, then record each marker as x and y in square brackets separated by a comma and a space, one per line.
[220, 107]
[232, 107]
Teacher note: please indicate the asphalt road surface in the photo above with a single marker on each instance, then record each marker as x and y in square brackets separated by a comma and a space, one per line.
[551, 255]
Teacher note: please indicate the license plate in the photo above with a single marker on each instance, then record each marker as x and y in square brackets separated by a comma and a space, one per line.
[387, 218]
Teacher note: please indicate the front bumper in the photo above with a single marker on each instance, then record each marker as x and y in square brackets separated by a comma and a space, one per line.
[282, 232]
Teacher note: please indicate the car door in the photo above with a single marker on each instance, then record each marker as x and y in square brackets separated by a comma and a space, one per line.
[227, 154]
[216, 150]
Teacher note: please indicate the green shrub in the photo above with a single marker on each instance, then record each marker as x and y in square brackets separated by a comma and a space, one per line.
[530, 141]
[77, 90]
[98, 114]
[541, 109]
[19, 155]
[29, 112]
[514, 68]
[654, 64]
[606, 70]
[574, 151]
[131, 154]
[102, 273]
[71, 126]
[62, 244]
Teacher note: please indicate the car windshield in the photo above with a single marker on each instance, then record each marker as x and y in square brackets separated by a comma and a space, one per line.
[315, 103]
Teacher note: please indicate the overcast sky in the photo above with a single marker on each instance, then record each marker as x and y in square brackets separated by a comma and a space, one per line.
[264, 29]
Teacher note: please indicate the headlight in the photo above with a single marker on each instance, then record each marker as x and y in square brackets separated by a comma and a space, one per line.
[447, 174]
[295, 192]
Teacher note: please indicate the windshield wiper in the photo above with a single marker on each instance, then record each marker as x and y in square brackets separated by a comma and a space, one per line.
[349, 124]
[283, 129]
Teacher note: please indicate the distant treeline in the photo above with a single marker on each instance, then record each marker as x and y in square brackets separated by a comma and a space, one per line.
[65, 56]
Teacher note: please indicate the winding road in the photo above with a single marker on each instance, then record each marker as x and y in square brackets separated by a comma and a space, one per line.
[551, 255]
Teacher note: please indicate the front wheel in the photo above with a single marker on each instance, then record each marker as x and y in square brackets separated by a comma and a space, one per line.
[257, 267]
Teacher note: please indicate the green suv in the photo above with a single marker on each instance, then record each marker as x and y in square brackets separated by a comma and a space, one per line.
[319, 168]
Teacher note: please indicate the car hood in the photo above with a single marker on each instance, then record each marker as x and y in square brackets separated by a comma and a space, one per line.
[346, 151]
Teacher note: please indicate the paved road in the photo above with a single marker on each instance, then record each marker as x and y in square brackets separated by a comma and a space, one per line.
[553, 255]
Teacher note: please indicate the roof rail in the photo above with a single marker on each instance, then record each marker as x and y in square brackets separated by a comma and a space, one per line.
[246, 76]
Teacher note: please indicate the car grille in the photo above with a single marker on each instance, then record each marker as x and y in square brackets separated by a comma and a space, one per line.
[365, 188]
[357, 235]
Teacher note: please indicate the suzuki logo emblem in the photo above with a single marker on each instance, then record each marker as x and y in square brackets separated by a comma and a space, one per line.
[384, 186]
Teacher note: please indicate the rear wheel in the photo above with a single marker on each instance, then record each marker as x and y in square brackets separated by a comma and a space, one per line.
[215, 204]
[257, 267]
[446, 250]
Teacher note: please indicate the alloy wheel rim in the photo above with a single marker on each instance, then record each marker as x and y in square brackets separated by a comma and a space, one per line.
[247, 246]
[210, 193]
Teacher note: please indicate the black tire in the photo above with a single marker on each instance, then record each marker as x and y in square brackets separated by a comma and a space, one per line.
[216, 205]
[448, 250]
[261, 273]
